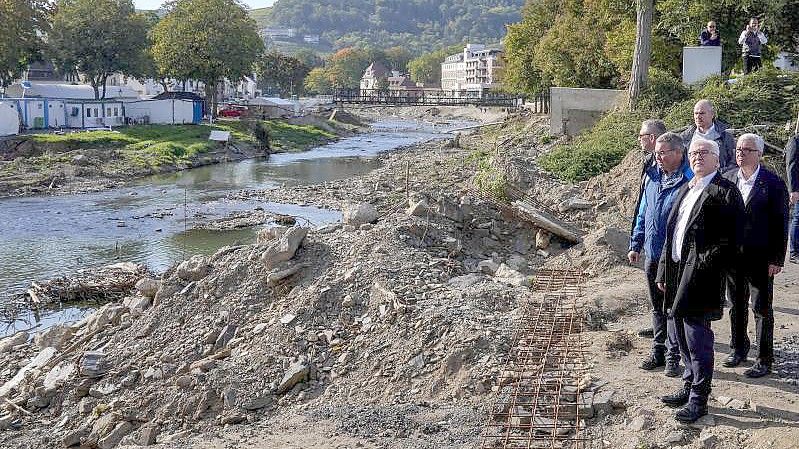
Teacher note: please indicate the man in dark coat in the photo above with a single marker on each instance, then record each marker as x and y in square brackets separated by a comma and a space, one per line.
[765, 237]
[702, 236]
[792, 167]
[707, 126]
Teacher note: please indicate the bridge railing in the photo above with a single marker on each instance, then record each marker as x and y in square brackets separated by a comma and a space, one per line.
[430, 97]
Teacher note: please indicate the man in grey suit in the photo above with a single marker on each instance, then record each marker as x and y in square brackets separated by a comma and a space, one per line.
[702, 236]
[708, 126]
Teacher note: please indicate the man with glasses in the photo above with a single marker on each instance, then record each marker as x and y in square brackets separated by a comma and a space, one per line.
[709, 37]
[792, 167]
[662, 183]
[707, 126]
[762, 249]
[702, 236]
[650, 130]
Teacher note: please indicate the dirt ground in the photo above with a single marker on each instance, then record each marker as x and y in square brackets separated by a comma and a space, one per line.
[412, 372]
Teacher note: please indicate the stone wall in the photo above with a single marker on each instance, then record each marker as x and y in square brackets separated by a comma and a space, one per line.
[574, 109]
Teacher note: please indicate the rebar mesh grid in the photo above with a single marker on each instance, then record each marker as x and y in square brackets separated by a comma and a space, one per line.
[540, 400]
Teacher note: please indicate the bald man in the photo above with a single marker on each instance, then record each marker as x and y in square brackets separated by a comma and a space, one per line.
[707, 126]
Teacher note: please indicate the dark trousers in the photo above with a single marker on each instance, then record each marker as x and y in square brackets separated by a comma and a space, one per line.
[795, 230]
[695, 339]
[752, 63]
[753, 285]
[663, 344]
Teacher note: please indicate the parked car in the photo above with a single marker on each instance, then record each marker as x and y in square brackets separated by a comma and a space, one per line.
[231, 111]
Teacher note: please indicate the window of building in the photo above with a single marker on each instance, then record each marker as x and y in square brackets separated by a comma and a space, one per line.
[96, 113]
[108, 112]
[88, 112]
[116, 112]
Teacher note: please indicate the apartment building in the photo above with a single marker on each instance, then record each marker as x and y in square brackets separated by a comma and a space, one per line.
[473, 71]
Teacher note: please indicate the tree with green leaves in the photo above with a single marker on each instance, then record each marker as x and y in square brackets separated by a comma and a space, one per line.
[98, 38]
[345, 67]
[22, 23]
[317, 82]
[426, 68]
[280, 72]
[206, 40]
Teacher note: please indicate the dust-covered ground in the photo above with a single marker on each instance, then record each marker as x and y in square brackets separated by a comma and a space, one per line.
[387, 331]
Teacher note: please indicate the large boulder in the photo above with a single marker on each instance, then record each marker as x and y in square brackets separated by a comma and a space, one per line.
[358, 214]
[296, 373]
[194, 269]
[148, 287]
[285, 248]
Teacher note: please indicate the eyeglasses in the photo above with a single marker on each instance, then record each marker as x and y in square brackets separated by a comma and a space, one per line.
[698, 154]
[641, 136]
[662, 152]
[746, 150]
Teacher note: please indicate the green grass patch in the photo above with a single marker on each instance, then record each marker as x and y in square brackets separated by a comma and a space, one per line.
[597, 150]
[157, 145]
[488, 178]
[767, 97]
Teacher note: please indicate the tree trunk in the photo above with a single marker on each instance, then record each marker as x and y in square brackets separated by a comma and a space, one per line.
[643, 50]
[104, 79]
[96, 87]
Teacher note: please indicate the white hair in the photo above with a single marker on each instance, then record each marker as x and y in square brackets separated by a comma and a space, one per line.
[711, 145]
[758, 141]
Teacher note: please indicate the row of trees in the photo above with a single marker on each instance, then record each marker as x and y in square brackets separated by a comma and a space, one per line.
[205, 40]
[590, 43]
[344, 68]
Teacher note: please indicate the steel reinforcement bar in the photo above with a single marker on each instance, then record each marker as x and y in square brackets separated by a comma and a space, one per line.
[540, 402]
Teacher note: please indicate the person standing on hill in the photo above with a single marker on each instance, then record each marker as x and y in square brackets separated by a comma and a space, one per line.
[792, 167]
[662, 183]
[762, 249]
[702, 237]
[650, 130]
[752, 41]
[707, 126]
[709, 37]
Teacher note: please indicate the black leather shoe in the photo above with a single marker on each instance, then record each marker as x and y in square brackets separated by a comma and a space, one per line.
[652, 362]
[672, 368]
[690, 413]
[794, 258]
[678, 398]
[733, 360]
[757, 370]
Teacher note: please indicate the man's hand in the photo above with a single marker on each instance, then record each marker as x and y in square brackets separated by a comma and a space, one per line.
[794, 197]
[774, 270]
[661, 286]
[633, 257]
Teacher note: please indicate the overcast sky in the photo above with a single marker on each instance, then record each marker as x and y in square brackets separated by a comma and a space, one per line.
[154, 4]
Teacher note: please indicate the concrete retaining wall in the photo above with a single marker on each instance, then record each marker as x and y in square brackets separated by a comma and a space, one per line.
[574, 109]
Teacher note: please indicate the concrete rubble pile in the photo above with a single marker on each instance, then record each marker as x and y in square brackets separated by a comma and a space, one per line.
[391, 306]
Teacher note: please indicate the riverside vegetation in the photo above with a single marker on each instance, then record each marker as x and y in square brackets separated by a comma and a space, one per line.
[57, 163]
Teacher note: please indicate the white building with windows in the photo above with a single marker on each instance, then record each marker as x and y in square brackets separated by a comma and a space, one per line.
[475, 70]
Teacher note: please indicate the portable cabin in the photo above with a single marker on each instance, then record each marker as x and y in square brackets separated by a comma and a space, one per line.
[9, 119]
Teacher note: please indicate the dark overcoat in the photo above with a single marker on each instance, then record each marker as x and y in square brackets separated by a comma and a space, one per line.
[765, 223]
[695, 287]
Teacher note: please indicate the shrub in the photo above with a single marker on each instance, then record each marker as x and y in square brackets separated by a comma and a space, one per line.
[597, 149]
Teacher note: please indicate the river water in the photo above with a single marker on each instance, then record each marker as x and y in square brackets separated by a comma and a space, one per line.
[154, 220]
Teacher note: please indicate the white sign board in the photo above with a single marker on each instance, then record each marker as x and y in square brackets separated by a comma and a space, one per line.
[699, 63]
[219, 136]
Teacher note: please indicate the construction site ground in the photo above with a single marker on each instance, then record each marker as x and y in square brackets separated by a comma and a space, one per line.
[390, 332]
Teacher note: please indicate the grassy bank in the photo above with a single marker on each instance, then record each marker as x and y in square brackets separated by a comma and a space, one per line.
[767, 98]
[158, 145]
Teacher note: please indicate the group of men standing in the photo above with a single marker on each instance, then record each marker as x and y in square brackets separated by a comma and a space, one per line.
[711, 223]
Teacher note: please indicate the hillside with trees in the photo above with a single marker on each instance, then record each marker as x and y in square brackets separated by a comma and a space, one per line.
[417, 25]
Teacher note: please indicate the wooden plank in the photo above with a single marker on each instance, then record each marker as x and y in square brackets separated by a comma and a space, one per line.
[546, 221]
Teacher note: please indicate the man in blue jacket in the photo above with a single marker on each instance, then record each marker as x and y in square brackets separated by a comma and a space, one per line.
[663, 181]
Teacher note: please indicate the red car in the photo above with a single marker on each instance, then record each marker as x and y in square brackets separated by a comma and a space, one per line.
[231, 111]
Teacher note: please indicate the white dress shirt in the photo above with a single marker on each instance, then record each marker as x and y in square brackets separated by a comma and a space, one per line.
[686, 206]
[745, 185]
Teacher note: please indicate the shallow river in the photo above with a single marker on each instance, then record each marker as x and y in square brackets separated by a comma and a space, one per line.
[153, 221]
